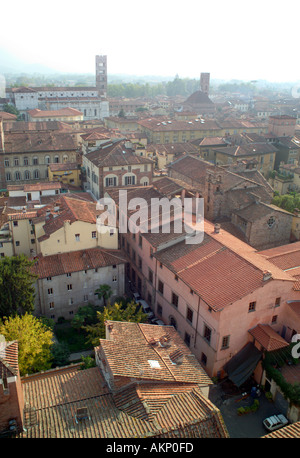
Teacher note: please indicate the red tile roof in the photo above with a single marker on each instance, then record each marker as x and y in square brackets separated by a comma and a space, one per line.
[267, 337]
[130, 352]
[207, 268]
[76, 261]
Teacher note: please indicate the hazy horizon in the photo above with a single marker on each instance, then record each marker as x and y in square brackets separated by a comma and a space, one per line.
[230, 40]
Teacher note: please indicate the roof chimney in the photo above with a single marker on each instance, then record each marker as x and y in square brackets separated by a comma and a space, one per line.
[176, 357]
[217, 228]
[267, 275]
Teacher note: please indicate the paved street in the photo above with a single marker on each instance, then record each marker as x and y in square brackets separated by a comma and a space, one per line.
[245, 426]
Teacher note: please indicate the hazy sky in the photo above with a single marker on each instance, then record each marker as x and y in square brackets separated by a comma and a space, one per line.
[231, 39]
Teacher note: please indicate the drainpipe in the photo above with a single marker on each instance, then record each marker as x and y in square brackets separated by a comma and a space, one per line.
[197, 322]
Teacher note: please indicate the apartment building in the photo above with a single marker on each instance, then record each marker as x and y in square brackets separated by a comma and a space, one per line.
[212, 292]
[114, 164]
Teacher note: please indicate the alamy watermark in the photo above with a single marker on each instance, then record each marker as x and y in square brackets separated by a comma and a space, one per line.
[162, 215]
[296, 348]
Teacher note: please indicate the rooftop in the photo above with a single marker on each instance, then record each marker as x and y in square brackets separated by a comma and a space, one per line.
[76, 261]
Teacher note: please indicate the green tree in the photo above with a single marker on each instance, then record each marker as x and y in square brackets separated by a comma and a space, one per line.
[85, 315]
[16, 285]
[60, 354]
[34, 340]
[8, 108]
[104, 292]
[132, 312]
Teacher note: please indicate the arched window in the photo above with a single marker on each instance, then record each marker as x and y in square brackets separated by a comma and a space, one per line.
[17, 176]
[26, 161]
[36, 174]
[65, 158]
[8, 176]
[56, 159]
[26, 175]
[47, 159]
[35, 160]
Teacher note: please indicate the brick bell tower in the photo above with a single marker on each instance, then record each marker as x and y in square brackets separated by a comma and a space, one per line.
[101, 75]
[11, 392]
[204, 82]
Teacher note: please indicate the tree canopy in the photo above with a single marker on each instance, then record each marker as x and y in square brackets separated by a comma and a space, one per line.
[131, 312]
[288, 202]
[16, 285]
[34, 340]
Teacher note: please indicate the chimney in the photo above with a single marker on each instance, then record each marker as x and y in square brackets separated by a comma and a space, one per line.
[267, 275]
[217, 228]
[165, 341]
[176, 357]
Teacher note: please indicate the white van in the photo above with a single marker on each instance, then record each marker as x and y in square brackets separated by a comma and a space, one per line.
[146, 308]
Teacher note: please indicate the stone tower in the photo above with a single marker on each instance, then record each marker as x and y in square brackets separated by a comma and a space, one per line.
[204, 82]
[101, 75]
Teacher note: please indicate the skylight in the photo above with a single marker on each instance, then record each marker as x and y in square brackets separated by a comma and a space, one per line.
[154, 364]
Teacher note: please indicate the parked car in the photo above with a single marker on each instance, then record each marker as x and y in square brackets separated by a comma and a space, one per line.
[275, 422]
[136, 296]
[157, 321]
[146, 308]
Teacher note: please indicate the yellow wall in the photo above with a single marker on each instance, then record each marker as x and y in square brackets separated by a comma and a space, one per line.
[66, 179]
[64, 239]
[264, 168]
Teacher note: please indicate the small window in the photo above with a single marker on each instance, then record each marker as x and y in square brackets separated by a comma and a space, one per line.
[15, 223]
[176, 277]
[49, 278]
[187, 339]
[225, 342]
[77, 237]
[51, 305]
[94, 234]
[69, 287]
[159, 309]
[277, 301]
[69, 275]
[150, 276]
[114, 278]
[252, 307]
[203, 359]
[160, 287]
[274, 319]
[189, 315]
[207, 333]
[50, 291]
[174, 299]
[17, 243]
[86, 298]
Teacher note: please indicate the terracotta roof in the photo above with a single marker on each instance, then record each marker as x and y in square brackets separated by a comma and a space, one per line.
[7, 116]
[38, 141]
[9, 364]
[36, 113]
[130, 352]
[251, 149]
[287, 432]
[267, 337]
[138, 411]
[198, 97]
[63, 166]
[191, 167]
[257, 210]
[67, 208]
[286, 257]
[76, 261]
[115, 153]
[207, 268]
[163, 125]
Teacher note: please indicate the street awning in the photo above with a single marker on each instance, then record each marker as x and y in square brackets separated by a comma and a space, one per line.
[241, 366]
